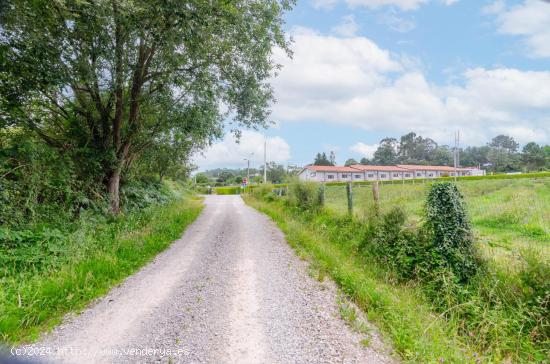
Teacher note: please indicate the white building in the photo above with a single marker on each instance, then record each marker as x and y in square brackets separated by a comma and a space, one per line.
[330, 174]
[359, 172]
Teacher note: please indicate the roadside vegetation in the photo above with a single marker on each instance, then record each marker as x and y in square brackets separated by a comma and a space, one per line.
[424, 280]
[49, 269]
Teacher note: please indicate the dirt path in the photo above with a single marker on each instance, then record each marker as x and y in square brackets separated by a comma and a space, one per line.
[229, 291]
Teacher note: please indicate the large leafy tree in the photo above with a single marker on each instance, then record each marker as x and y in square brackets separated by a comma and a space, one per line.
[106, 78]
[533, 156]
[386, 154]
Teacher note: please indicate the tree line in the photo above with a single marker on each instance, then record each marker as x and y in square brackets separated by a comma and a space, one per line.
[501, 154]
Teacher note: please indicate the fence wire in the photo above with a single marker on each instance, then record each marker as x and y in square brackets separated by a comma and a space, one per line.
[521, 204]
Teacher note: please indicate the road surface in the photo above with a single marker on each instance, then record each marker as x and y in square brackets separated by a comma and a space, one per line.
[230, 290]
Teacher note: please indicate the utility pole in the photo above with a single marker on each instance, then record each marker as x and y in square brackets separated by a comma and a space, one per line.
[265, 161]
[456, 155]
[248, 166]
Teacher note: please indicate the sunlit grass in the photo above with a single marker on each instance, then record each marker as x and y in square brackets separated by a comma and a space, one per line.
[507, 215]
[96, 256]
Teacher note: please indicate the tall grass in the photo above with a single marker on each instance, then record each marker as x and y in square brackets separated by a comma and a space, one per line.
[508, 215]
[75, 267]
[501, 314]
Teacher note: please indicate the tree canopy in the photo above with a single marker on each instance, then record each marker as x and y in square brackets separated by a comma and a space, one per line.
[106, 80]
[501, 154]
[322, 160]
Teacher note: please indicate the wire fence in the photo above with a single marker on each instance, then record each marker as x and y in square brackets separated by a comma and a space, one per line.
[519, 204]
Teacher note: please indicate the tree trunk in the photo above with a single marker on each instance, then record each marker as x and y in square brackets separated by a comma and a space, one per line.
[114, 188]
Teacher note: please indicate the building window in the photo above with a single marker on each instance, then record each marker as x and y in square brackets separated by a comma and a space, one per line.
[370, 175]
[430, 175]
[383, 175]
[330, 176]
[358, 176]
[312, 174]
[407, 174]
[344, 175]
[396, 174]
[418, 174]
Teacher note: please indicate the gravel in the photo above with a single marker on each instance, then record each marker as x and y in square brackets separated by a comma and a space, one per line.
[230, 290]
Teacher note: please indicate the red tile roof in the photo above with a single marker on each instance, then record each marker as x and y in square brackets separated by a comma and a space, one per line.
[431, 168]
[363, 167]
[331, 169]
[397, 168]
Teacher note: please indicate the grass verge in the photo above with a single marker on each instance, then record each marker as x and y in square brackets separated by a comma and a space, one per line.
[85, 264]
[400, 310]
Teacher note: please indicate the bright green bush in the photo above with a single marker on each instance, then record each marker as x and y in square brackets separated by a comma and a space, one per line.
[449, 229]
[232, 190]
[442, 249]
[304, 195]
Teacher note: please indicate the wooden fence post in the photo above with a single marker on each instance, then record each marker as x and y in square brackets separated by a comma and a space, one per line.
[350, 198]
[322, 194]
[376, 197]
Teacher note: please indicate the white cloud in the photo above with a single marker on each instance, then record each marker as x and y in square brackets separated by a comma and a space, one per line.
[229, 153]
[396, 22]
[366, 150]
[530, 20]
[495, 7]
[347, 28]
[404, 5]
[324, 4]
[352, 81]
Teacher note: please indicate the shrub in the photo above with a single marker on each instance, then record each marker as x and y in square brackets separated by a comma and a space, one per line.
[233, 190]
[304, 195]
[449, 228]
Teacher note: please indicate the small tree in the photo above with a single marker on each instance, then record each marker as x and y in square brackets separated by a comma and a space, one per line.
[350, 162]
[449, 227]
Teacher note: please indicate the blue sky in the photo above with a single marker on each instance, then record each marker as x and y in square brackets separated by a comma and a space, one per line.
[366, 69]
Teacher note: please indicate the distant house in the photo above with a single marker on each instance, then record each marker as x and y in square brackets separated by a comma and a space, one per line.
[383, 173]
[359, 172]
[330, 174]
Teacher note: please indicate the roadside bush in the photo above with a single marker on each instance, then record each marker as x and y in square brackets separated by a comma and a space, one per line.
[262, 190]
[137, 194]
[440, 251]
[304, 195]
[449, 228]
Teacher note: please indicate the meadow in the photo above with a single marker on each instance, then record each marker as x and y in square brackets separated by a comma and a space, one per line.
[508, 215]
[500, 314]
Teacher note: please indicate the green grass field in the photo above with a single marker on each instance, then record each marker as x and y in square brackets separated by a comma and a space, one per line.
[508, 215]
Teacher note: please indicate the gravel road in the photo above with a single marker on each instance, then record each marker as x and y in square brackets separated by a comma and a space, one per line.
[229, 291]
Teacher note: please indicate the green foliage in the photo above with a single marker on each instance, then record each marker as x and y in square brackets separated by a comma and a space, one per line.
[450, 230]
[500, 155]
[322, 160]
[40, 185]
[137, 194]
[304, 195]
[114, 80]
[500, 314]
[46, 272]
[235, 190]
[201, 178]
